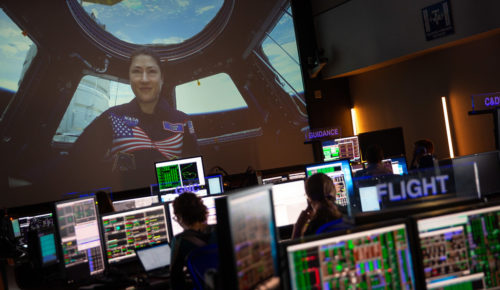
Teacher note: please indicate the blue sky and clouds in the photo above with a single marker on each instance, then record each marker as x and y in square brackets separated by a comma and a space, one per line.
[160, 22]
[155, 21]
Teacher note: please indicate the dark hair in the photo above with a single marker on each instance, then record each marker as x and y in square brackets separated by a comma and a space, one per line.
[104, 203]
[374, 154]
[425, 145]
[145, 50]
[190, 208]
[320, 187]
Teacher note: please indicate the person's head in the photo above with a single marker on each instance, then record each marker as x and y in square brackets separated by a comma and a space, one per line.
[104, 203]
[146, 75]
[189, 210]
[320, 188]
[423, 147]
[374, 154]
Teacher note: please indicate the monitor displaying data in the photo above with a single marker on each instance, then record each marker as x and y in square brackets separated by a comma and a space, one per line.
[247, 238]
[133, 203]
[16, 229]
[78, 226]
[396, 164]
[341, 148]
[461, 250]
[215, 184]
[47, 243]
[340, 173]
[372, 259]
[180, 175]
[209, 202]
[124, 232]
[289, 201]
[34, 222]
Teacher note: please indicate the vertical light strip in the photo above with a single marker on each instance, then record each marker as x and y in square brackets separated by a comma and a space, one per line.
[447, 123]
[354, 118]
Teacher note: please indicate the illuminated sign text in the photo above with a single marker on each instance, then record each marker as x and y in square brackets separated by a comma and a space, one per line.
[413, 188]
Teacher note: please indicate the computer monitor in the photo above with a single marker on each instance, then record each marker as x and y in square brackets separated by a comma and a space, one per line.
[126, 231]
[341, 148]
[390, 140]
[133, 203]
[340, 172]
[488, 170]
[80, 237]
[289, 200]
[38, 221]
[215, 184]
[281, 174]
[47, 250]
[377, 258]
[399, 165]
[355, 167]
[247, 238]
[209, 201]
[368, 197]
[16, 228]
[460, 248]
[179, 175]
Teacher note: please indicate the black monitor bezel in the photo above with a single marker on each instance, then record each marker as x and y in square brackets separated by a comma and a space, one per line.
[76, 277]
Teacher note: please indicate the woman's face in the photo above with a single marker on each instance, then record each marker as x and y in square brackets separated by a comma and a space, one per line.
[145, 78]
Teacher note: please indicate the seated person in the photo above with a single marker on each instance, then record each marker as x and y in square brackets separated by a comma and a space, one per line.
[321, 209]
[423, 154]
[191, 214]
[375, 167]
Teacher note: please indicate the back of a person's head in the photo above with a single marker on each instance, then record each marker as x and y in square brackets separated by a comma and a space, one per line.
[104, 203]
[374, 154]
[190, 208]
[425, 145]
[320, 187]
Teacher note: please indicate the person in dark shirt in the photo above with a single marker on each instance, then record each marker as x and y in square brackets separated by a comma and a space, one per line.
[191, 214]
[321, 208]
[374, 156]
[119, 148]
[423, 154]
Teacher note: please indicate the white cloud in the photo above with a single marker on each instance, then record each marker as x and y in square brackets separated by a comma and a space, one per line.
[202, 10]
[8, 31]
[123, 36]
[14, 49]
[183, 3]
[168, 40]
[132, 4]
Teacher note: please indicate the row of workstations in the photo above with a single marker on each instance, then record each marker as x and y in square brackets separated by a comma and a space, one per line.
[453, 243]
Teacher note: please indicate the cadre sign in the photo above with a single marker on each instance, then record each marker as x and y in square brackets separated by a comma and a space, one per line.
[486, 101]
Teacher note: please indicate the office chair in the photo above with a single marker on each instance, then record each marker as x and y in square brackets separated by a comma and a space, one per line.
[335, 225]
[199, 262]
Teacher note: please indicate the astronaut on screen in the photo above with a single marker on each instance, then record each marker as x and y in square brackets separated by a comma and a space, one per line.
[125, 141]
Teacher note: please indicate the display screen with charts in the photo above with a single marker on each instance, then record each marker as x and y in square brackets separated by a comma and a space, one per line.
[124, 232]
